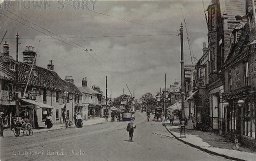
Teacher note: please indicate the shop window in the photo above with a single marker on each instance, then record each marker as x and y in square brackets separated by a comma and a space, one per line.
[57, 114]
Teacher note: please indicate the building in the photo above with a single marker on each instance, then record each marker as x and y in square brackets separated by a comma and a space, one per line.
[91, 100]
[201, 81]
[240, 82]
[221, 22]
[38, 91]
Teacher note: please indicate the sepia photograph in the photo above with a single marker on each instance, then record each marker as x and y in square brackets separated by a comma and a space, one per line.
[127, 80]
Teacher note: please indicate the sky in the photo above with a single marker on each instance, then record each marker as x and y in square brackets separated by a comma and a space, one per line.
[132, 42]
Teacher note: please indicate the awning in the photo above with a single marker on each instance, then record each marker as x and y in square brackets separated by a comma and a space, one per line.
[191, 96]
[37, 104]
[175, 106]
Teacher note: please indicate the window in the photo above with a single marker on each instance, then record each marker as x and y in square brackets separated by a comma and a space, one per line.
[246, 74]
[230, 80]
[57, 96]
[44, 114]
[57, 114]
[68, 98]
[44, 96]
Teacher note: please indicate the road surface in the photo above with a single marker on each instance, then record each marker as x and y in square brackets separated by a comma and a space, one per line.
[102, 142]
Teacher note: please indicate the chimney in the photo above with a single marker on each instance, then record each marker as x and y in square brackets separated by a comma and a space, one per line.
[50, 66]
[5, 49]
[205, 49]
[29, 56]
[69, 79]
[84, 82]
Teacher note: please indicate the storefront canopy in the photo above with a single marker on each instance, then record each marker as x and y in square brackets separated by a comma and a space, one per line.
[175, 106]
[191, 96]
[37, 104]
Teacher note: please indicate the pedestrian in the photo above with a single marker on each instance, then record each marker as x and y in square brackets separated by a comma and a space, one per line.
[171, 119]
[130, 128]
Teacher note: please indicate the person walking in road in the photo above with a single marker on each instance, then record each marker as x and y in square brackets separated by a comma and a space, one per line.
[130, 128]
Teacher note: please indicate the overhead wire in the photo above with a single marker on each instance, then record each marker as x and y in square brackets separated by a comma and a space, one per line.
[54, 37]
[188, 39]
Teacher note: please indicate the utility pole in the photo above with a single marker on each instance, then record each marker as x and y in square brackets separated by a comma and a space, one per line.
[164, 95]
[106, 91]
[182, 72]
[16, 75]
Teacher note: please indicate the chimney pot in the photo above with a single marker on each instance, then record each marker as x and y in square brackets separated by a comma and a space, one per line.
[84, 82]
[6, 49]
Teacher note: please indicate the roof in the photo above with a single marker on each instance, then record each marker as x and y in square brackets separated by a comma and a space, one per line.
[5, 72]
[87, 90]
[40, 77]
[239, 49]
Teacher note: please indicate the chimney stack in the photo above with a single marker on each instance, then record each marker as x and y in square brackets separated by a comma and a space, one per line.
[29, 56]
[50, 66]
[69, 79]
[5, 49]
[84, 82]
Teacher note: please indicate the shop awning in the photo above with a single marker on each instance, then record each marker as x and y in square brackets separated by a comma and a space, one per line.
[175, 106]
[37, 104]
[191, 96]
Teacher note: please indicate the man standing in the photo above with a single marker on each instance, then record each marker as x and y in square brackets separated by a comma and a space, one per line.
[130, 128]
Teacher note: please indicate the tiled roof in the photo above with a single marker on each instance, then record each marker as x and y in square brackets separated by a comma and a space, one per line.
[239, 49]
[40, 77]
[229, 11]
[5, 72]
[87, 90]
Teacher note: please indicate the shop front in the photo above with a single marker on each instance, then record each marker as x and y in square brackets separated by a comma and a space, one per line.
[35, 112]
[241, 115]
[94, 111]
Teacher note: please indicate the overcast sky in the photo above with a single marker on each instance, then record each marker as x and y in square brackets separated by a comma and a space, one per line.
[133, 42]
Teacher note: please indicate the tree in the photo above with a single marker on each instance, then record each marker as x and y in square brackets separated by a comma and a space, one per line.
[148, 101]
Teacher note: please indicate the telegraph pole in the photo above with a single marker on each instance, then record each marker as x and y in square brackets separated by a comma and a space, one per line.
[106, 91]
[164, 95]
[182, 72]
[16, 75]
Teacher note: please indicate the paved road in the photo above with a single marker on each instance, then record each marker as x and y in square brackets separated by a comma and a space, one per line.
[103, 142]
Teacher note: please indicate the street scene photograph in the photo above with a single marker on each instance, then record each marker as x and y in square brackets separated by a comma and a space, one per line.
[127, 80]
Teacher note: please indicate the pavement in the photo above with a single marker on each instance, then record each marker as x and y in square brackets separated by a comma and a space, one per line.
[212, 144]
[94, 121]
[103, 142]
